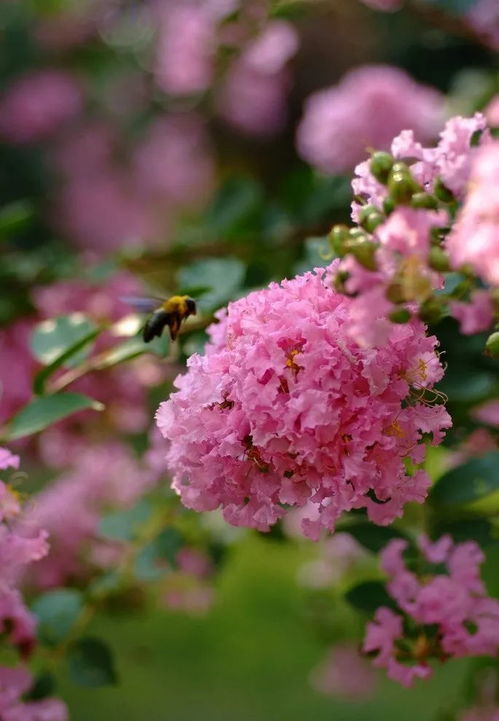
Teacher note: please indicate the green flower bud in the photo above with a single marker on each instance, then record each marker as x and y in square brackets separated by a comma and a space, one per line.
[338, 236]
[442, 192]
[424, 200]
[402, 187]
[364, 252]
[431, 310]
[395, 292]
[381, 165]
[370, 217]
[388, 206]
[401, 315]
[492, 345]
[339, 281]
[438, 259]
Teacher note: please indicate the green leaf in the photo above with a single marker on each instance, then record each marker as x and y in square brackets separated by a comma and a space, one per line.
[70, 354]
[373, 537]
[237, 201]
[369, 596]
[57, 612]
[460, 7]
[15, 216]
[44, 411]
[159, 556]
[467, 483]
[123, 525]
[133, 348]
[223, 276]
[43, 686]
[465, 529]
[90, 663]
[55, 337]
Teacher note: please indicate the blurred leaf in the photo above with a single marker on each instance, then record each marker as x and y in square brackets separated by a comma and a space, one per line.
[133, 348]
[373, 537]
[70, 354]
[465, 529]
[46, 410]
[159, 556]
[459, 7]
[15, 216]
[123, 525]
[90, 663]
[317, 254]
[469, 482]
[237, 200]
[57, 612]
[368, 596]
[223, 276]
[43, 686]
[54, 338]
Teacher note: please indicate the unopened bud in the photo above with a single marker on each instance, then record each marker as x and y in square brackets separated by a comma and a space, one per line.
[438, 259]
[395, 292]
[388, 206]
[402, 185]
[492, 345]
[338, 236]
[401, 315]
[370, 217]
[381, 165]
[364, 252]
[431, 310]
[339, 281]
[424, 200]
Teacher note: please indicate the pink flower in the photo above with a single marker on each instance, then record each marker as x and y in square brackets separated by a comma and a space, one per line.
[475, 316]
[344, 673]
[450, 160]
[446, 612]
[491, 112]
[253, 96]
[483, 16]
[36, 105]
[17, 367]
[384, 5]
[185, 48]
[487, 413]
[173, 162]
[285, 408]
[475, 237]
[369, 106]
[102, 477]
[14, 683]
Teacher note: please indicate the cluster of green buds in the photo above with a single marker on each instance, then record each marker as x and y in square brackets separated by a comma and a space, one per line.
[411, 282]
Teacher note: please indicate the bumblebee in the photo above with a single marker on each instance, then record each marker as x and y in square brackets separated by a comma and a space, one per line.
[164, 313]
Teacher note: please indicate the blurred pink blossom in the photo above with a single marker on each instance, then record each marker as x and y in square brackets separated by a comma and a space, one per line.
[454, 601]
[17, 365]
[487, 412]
[253, 95]
[344, 673]
[102, 477]
[14, 684]
[475, 236]
[475, 316]
[36, 105]
[483, 16]
[185, 48]
[370, 105]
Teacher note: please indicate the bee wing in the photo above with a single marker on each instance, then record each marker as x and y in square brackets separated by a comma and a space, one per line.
[142, 305]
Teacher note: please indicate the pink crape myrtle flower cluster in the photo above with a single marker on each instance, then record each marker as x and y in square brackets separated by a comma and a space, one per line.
[441, 614]
[405, 204]
[366, 110]
[285, 409]
[21, 543]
